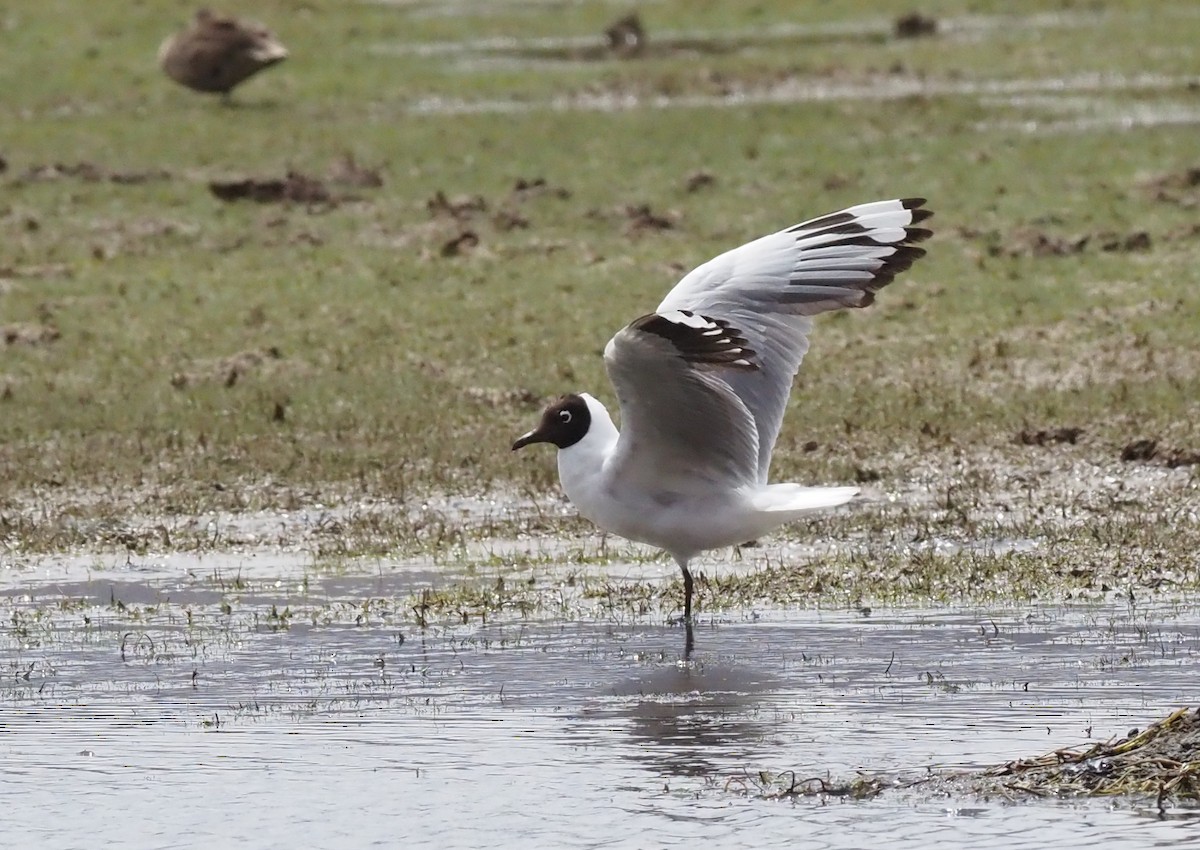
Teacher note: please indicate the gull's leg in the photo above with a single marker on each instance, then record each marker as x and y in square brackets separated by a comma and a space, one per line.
[687, 591]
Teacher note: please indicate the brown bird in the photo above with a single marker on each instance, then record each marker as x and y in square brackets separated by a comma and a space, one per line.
[217, 52]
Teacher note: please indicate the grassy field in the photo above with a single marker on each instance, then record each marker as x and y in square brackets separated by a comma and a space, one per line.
[168, 353]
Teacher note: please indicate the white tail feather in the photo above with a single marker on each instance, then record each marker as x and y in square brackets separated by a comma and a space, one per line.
[797, 499]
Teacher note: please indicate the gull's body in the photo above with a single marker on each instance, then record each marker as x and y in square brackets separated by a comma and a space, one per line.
[215, 53]
[703, 383]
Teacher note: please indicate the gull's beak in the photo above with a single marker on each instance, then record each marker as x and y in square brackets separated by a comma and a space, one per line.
[534, 436]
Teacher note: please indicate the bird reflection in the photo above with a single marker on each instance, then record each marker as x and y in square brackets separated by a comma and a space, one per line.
[685, 716]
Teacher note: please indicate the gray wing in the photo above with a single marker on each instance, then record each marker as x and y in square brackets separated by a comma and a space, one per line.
[769, 288]
[683, 428]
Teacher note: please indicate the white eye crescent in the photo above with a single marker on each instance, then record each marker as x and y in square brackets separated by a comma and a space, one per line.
[565, 416]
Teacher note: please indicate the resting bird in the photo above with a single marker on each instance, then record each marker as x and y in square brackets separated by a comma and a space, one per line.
[216, 53]
[703, 382]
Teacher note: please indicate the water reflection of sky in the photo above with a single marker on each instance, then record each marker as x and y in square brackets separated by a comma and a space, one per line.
[574, 734]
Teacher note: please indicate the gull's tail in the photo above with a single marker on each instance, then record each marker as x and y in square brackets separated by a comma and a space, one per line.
[796, 499]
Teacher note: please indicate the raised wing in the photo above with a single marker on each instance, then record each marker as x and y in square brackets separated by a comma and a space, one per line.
[683, 429]
[769, 288]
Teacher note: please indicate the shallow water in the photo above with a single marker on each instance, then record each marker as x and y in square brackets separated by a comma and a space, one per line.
[133, 728]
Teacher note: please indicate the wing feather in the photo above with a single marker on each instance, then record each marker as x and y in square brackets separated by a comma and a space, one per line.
[770, 288]
[683, 428]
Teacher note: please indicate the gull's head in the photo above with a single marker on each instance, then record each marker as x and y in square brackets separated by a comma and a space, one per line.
[564, 422]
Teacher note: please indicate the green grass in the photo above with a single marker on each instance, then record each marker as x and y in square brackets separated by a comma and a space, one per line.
[368, 365]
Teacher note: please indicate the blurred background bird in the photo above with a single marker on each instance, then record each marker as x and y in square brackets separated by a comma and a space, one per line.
[215, 53]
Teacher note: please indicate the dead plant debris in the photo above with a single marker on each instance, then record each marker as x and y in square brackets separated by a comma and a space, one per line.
[1175, 187]
[347, 171]
[48, 270]
[509, 219]
[1048, 436]
[226, 370]
[641, 219]
[497, 397]
[1162, 761]
[1033, 242]
[458, 207]
[1146, 450]
[789, 784]
[29, 333]
[90, 172]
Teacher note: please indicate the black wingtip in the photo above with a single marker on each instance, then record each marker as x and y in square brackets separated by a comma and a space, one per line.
[913, 203]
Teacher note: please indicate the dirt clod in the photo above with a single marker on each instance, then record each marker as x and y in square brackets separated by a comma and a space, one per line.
[346, 171]
[626, 36]
[295, 187]
[1140, 450]
[460, 244]
[642, 218]
[534, 187]
[915, 25]
[698, 180]
[459, 207]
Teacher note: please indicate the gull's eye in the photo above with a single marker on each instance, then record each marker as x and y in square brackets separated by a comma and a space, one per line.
[565, 416]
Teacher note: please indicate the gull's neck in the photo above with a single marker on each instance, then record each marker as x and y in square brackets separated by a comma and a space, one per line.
[580, 465]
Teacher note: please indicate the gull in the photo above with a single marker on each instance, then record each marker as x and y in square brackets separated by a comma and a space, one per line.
[703, 383]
